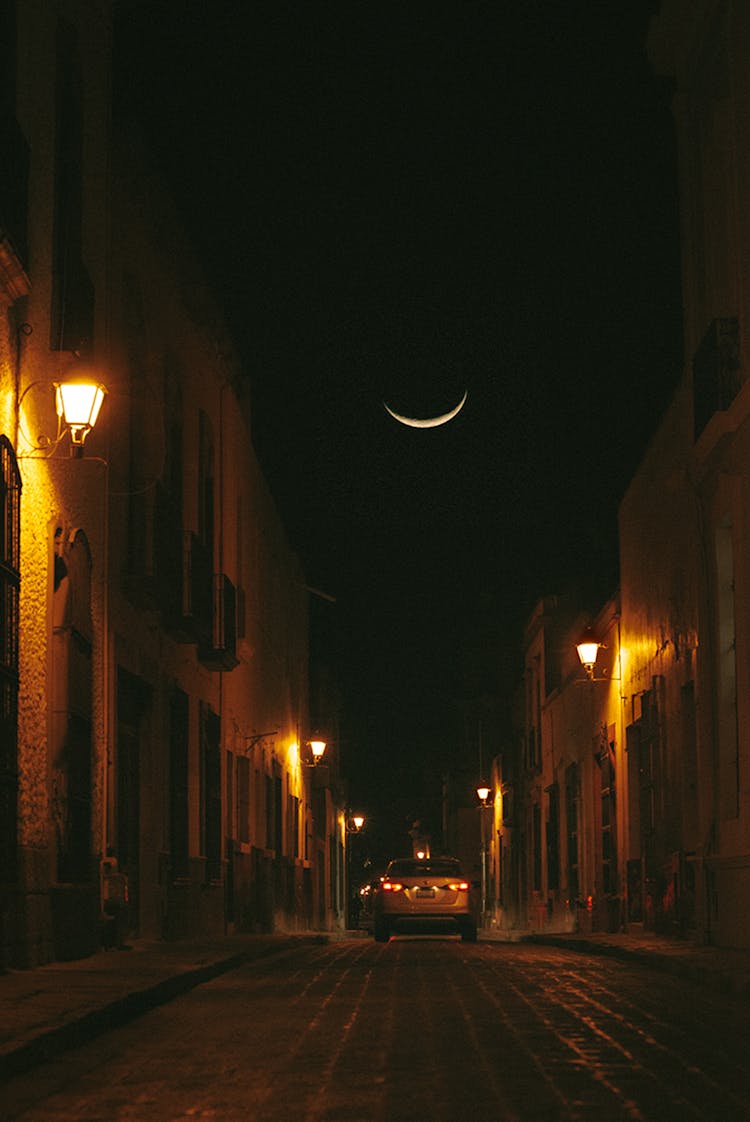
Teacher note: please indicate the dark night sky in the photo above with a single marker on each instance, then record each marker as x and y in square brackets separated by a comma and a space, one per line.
[402, 202]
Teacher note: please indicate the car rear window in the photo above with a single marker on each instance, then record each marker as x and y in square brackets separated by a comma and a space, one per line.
[436, 868]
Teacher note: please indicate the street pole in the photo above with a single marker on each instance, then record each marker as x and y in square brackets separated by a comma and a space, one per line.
[484, 865]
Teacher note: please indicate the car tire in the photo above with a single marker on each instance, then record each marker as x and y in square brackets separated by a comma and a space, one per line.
[381, 932]
[469, 933]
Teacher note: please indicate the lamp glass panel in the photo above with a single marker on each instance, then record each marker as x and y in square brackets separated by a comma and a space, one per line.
[587, 653]
[78, 403]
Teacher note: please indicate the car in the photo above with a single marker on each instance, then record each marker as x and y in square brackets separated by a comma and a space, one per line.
[420, 895]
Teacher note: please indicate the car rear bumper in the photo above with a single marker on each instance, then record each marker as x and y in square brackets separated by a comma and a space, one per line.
[421, 922]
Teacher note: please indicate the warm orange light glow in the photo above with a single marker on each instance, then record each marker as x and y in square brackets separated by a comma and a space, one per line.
[78, 403]
[588, 650]
[483, 793]
[317, 747]
[358, 821]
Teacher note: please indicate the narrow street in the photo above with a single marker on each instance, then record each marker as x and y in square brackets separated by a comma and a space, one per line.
[424, 1029]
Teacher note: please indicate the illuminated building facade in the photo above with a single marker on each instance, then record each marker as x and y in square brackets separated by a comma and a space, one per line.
[154, 660]
[559, 827]
[632, 800]
[699, 643]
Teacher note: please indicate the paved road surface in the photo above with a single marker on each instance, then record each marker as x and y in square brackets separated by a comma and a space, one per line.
[429, 1030]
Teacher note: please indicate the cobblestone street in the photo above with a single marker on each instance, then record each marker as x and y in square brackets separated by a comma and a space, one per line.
[418, 1029]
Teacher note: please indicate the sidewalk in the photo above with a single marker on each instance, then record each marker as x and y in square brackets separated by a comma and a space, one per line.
[724, 970]
[44, 1012]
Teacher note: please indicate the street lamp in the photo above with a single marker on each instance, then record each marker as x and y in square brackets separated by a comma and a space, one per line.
[588, 647]
[316, 750]
[78, 402]
[353, 824]
[483, 794]
[588, 651]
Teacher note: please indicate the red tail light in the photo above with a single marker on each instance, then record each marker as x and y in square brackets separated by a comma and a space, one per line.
[391, 886]
[460, 886]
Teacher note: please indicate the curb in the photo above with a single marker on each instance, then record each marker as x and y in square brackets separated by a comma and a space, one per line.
[722, 981]
[53, 1042]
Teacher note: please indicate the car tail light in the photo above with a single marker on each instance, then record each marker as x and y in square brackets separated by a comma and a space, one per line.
[459, 886]
[391, 886]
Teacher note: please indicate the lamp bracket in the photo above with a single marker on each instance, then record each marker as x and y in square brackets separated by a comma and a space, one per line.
[251, 741]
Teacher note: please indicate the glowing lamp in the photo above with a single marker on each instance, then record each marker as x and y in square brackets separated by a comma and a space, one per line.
[317, 747]
[483, 793]
[588, 650]
[78, 403]
[358, 822]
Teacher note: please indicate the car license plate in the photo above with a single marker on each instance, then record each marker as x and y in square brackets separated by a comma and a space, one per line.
[426, 892]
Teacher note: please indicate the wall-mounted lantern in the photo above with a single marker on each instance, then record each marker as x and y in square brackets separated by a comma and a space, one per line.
[78, 402]
[588, 651]
[317, 750]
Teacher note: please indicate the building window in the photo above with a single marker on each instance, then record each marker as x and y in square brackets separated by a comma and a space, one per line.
[689, 757]
[269, 815]
[14, 169]
[72, 311]
[726, 665]
[531, 753]
[713, 241]
[230, 828]
[243, 799]
[206, 482]
[537, 847]
[274, 824]
[72, 676]
[210, 735]
[134, 707]
[241, 575]
[10, 577]
[293, 826]
[553, 837]
[278, 824]
[572, 795]
[533, 716]
[647, 770]
[178, 785]
[168, 540]
[609, 828]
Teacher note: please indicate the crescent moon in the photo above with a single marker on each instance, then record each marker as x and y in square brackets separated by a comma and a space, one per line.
[428, 422]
